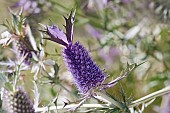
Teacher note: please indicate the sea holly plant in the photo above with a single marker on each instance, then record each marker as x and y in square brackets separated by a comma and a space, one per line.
[88, 77]
[94, 91]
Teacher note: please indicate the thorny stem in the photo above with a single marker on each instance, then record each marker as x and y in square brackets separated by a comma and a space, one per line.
[60, 108]
[78, 105]
[111, 100]
[150, 96]
[112, 83]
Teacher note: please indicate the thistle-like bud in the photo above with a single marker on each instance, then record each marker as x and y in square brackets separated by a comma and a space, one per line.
[21, 36]
[17, 102]
[23, 47]
[87, 75]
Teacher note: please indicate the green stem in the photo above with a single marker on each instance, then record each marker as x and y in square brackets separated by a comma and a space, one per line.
[150, 96]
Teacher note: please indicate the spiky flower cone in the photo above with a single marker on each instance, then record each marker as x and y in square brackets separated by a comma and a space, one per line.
[87, 75]
[17, 102]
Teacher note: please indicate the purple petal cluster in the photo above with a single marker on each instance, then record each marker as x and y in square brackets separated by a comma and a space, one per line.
[87, 75]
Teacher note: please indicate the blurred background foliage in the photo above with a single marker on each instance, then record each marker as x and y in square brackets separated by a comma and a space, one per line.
[115, 32]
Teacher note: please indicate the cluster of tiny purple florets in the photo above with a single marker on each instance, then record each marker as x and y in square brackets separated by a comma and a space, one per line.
[86, 73]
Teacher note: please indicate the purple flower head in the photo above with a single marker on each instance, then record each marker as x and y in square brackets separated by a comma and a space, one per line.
[87, 75]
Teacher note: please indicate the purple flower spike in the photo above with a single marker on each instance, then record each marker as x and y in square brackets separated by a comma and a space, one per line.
[87, 75]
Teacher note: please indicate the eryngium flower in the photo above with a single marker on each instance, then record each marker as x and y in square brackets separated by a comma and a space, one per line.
[87, 75]
[17, 102]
